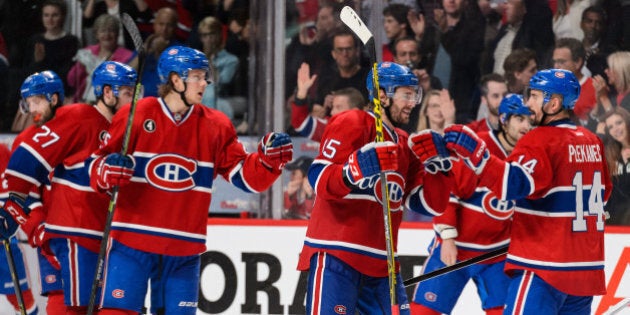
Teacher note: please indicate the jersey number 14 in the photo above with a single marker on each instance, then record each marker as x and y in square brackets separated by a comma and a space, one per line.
[595, 201]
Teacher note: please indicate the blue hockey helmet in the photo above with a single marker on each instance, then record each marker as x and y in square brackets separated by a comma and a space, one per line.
[114, 74]
[556, 81]
[391, 76]
[44, 83]
[181, 60]
[512, 104]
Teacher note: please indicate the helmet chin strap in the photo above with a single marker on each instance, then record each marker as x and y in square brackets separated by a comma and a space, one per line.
[182, 94]
[111, 108]
[545, 114]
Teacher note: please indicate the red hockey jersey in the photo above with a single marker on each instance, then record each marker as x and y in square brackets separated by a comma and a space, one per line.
[481, 219]
[349, 224]
[558, 229]
[164, 209]
[60, 147]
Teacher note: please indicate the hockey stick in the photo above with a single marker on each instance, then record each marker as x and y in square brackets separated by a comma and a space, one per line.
[132, 29]
[14, 277]
[354, 22]
[462, 264]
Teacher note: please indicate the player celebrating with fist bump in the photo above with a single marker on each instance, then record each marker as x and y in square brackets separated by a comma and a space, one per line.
[345, 246]
[176, 150]
[558, 175]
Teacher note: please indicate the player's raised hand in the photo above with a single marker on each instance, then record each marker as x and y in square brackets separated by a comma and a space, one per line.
[114, 169]
[275, 150]
[370, 160]
[12, 214]
[430, 148]
[465, 143]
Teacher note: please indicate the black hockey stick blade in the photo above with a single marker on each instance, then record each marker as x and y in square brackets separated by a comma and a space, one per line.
[462, 264]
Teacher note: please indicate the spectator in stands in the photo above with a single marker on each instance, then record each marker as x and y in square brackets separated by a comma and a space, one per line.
[492, 13]
[528, 26]
[137, 9]
[569, 54]
[437, 111]
[311, 125]
[54, 48]
[237, 43]
[406, 52]
[493, 89]
[163, 36]
[345, 72]
[617, 151]
[519, 67]
[298, 194]
[567, 17]
[593, 25]
[313, 45]
[396, 26]
[224, 65]
[461, 27]
[618, 75]
[426, 34]
[106, 30]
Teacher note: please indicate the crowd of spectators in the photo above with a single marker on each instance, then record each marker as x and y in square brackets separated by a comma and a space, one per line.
[37, 35]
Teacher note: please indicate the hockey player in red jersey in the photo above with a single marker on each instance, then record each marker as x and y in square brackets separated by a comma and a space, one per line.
[42, 93]
[7, 288]
[73, 216]
[345, 250]
[474, 223]
[558, 176]
[176, 150]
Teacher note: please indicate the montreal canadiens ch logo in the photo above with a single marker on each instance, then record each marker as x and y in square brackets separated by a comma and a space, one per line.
[496, 208]
[171, 172]
[395, 184]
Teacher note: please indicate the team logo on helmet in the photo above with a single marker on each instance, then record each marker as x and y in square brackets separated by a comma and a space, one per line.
[559, 74]
[395, 188]
[171, 172]
[496, 208]
[173, 51]
[430, 296]
[111, 67]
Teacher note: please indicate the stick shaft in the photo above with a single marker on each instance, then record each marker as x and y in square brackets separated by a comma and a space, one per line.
[14, 277]
[462, 264]
[100, 262]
